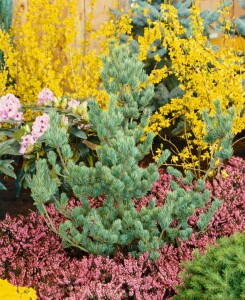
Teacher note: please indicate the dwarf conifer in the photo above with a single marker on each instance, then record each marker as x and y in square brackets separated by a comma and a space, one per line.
[116, 224]
[218, 274]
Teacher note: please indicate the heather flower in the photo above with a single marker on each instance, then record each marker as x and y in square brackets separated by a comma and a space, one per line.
[45, 96]
[9, 108]
[32, 255]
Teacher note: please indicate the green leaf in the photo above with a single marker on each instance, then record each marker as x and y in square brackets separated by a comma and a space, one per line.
[9, 147]
[94, 139]
[7, 171]
[83, 150]
[18, 182]
[18, 134]
[6, 162]
[78, 133]
[6, 132]
[2, 187]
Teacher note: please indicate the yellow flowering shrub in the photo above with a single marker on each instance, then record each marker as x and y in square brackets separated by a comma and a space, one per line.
[45, 53]
[204, 74]
[11, 292]
[113, 29]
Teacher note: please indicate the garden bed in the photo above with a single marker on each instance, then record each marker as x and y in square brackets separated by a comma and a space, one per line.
[32, 255]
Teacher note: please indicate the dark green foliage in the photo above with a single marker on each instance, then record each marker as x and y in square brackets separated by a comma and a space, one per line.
[218, 274]
[6, 147]
[116, 224]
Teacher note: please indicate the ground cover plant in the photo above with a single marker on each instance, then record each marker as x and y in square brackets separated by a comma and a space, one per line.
[32, 255]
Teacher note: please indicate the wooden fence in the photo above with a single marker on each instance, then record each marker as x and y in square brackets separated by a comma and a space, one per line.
[102, 6]
[100, 13]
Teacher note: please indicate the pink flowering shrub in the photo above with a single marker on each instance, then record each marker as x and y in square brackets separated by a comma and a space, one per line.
[39, 127]
[9, 108]
[31, 255]
[45, 96]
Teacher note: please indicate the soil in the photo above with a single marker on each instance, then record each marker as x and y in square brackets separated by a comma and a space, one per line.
[13, 206]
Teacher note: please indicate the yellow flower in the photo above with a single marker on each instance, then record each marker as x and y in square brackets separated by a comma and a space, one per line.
[157, 58]
[224, 174]
[174, 159]
[9, 291]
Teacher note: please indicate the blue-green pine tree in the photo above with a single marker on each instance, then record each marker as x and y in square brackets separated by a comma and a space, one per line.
[116, 224]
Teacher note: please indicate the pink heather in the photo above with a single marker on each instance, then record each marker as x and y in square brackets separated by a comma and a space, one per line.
[72, 103]
[32, 255]
[45, 96]
[9, 106]
[39, 127]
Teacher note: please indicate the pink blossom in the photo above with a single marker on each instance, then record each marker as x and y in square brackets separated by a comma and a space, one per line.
[73, 103]
[45, 96]
[39, 127]
[64, 121]
[9, 108]
[26, 141]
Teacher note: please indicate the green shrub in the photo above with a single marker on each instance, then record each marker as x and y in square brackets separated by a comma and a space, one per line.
[218, 274]
[115, 225]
